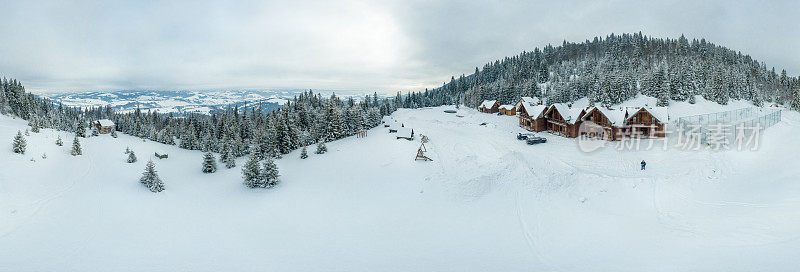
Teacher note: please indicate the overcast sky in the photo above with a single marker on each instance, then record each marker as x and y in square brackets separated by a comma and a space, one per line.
[382, 46]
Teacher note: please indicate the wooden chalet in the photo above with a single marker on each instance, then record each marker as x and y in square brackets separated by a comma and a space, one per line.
[646, 121]
[489, 106]
[564, 120]
[616, 123]
[608, 123]
[531, 114]
[104, 126]
[508, 110]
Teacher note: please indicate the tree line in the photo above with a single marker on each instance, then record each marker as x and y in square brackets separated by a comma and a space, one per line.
[618, 67]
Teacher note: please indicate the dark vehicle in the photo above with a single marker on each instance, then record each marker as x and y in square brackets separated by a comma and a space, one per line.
[524, 136]
[450, 111]
[536, 140]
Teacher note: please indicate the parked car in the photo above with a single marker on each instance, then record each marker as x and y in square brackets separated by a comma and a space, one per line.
[536, 140]
[524, 136]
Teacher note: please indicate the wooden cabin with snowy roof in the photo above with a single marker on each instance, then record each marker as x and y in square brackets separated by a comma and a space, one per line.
[489, 106]
[564, 120]
[530, 113]
[646, 121]
[508, 110]
[104, 126]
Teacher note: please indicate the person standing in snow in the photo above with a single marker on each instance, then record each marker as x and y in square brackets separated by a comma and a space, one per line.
[643, 164]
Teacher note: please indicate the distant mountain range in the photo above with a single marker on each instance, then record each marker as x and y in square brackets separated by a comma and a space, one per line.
[176, 102]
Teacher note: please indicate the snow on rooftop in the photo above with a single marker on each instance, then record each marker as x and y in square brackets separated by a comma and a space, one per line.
[507, 107]
[488, 104]
[105, 123]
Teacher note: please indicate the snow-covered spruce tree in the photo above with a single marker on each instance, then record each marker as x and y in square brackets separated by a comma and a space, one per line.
[226, 155]
[251, 173]
[303, 153]
[19, 143]
[269, 173]
[95, 133]
[59, 142]
[321, 148]
[27, 132]
[795, 103]
[34, 125]
[76, 147]
[209, 163]
[150, 178]
[131, 157]
[81, 129]
[127, 150]
[114, 133]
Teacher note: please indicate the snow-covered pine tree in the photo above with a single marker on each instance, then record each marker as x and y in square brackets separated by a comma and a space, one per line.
[269, 173]
[795, 99]
[209, 163]
[251, 173]
[80, 130]
[95, 133]
[321, 148]
[19, 145]
[34, 125]
[150, 178]
[27, 132]
[131, 157]
[76, 147]
[303, 153]
[59, 142]
[663, 93]
[114, 133]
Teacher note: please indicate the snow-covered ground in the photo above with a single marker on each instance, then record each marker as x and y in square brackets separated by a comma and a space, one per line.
[487, 202]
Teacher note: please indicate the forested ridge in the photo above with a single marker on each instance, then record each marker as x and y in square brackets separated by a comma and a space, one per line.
[615, 68]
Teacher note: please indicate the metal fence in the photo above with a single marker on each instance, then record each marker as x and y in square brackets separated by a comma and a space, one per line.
[729, 125]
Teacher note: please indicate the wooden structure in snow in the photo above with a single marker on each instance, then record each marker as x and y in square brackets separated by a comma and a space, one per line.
[489, 106]
[104, 126]
[530, 113]
[564, 120]
[361, 134]
[421, 153]
[508, 110]
[404, 133]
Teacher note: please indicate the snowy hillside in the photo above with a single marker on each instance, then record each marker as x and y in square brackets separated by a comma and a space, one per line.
[487, 202]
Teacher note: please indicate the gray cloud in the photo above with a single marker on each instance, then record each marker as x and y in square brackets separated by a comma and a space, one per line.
[353, 45]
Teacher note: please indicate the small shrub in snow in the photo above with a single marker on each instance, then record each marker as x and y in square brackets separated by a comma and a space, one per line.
[19, 144]
[303, 153]
[27, 133]
[127, 150]
[44, 155]
[150, 178]
[114, 133]
[95, 132]
[131, 157]
[209, 163]
[59, 142]
[321, 148]
[76, 147]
